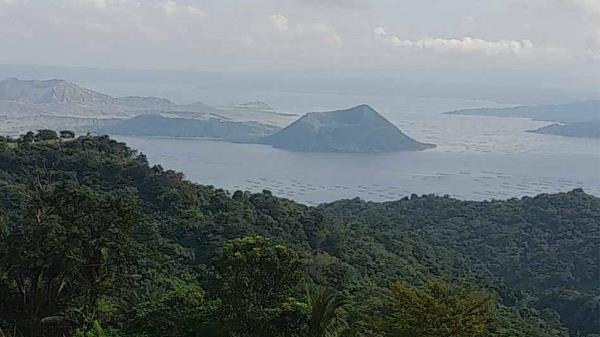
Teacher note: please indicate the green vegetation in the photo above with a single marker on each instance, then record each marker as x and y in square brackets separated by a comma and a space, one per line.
[437, 310]
[66, 134]
[95, 242]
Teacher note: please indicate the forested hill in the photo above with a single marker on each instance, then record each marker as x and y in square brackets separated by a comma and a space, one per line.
[95, 242]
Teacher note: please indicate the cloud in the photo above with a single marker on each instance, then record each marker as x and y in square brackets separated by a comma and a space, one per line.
[517, 48]
[592, 6]
[585, 40]
[590, 10]
[279, 22]
[347, 4]
[103, 5]
[303, 31]
[173, 9]
[194, 11]
[169, 7]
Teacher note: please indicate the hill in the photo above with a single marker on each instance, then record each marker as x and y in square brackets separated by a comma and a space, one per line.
[49, 92]
[40, 104]
[65, 99]
[149, 246]
[212, 127]
[565, 113]
[590, 129]
[358, 129]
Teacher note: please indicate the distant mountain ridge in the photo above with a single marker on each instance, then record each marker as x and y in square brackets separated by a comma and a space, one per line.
[564, 113]
[34, 104]
[358, 129]
[49, 91]
[61, 98]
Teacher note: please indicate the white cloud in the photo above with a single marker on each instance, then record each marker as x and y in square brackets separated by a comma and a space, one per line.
[202, 34]
[298, 31]
[518, 48]
[592, 6]
[194, 11]
[344, 4]
[169, 7]
[107, 4]
[173, 9]
[279, 22]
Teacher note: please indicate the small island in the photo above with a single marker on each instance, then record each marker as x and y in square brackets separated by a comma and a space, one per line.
[590, 129]
[360, 129]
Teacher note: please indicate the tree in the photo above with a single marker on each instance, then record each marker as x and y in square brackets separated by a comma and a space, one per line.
[257, 279]
[66, 134]
[3, 146]
[437, 309]
[325, 309]
[27, 138]
[182, 310]
[68, 246]
[45, 135]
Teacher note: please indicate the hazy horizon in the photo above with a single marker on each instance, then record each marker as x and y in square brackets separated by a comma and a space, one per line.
[513, 51]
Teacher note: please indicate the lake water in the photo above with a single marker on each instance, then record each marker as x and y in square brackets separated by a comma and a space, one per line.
[477, 157]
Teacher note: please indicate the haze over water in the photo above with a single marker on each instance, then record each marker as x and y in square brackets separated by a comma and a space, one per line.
[477, 157]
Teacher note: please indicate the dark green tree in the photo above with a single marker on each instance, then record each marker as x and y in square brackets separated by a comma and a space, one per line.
[66, 134]
[326, 312]
[180, 310]
[27, 138]
[66, 247]
[257, 279]
[45, 135]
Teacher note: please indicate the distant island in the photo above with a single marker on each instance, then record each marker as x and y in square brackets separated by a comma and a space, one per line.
[578, 119]
[358, 129]
[564, 113]
[214, 128]
[590, 129]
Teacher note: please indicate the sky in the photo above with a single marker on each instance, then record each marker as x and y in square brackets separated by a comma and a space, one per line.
[547, 43]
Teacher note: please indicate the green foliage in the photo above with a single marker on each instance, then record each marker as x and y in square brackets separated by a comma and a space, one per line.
[46, 135]
[67, 246]
[436, 309]
[181, 310]
[90, 232]
[326, 312]
[256, 279]
[29, 137]
[66, 134]
[96, 330]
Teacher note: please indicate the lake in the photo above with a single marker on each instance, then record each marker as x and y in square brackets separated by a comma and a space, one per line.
[477, 158]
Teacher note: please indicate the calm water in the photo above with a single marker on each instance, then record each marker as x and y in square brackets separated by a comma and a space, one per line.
[477, 158]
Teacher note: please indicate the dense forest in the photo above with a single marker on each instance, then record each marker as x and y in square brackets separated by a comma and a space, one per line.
[96, 242]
